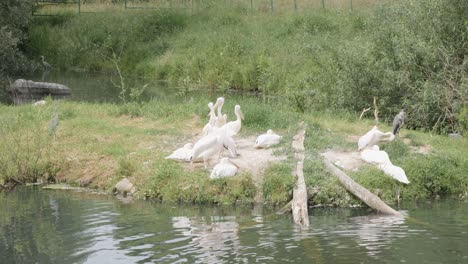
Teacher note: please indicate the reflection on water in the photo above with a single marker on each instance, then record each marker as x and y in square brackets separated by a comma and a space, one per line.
[211, 241]
[101, 87]
[61, 227]
[377, 232]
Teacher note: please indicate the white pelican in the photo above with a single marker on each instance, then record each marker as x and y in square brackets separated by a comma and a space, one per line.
[208, 127]
[41, 102]
[226, 135]
[235, 126]
[267, 140]
[380, 158]
[220, 119]
[395, 172]
[212, 144]
[182, 154]
[373, 137]
[374, 155]
[224, 169]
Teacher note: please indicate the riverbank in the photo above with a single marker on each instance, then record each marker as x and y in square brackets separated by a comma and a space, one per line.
[96, 145]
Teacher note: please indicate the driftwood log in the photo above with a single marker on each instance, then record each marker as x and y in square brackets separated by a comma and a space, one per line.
[26, 91]
[299, 202]
[360, 192]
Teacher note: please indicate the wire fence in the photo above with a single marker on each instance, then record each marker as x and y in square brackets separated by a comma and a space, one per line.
[58, 7]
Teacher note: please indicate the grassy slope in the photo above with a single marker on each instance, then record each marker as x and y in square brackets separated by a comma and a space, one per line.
[313, 59]
[97, 146]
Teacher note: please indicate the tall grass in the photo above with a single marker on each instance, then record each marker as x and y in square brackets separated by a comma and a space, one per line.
[26, 146]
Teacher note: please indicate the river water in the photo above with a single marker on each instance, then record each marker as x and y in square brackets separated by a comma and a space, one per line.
[52, 226]
[102, 87]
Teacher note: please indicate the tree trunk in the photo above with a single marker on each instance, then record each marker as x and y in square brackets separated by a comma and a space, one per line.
[360, 192]
[299, 202]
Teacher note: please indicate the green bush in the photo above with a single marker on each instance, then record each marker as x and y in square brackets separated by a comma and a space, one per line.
[15, 16]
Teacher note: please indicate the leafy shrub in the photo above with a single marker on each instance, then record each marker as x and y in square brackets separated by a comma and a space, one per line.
[15, 16]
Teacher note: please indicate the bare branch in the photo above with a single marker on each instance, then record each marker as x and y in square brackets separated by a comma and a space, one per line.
[364, 110]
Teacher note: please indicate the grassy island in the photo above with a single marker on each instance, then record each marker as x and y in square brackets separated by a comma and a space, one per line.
[96, 146]
[320, 66]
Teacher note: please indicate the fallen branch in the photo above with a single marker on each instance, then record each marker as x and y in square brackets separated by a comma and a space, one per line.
[364, 110]
[372, 200]
[299, 202]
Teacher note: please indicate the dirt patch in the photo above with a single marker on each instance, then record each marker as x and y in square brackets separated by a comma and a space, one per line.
[254, 161]
[407, 141]
[425, 149]
[350, 161]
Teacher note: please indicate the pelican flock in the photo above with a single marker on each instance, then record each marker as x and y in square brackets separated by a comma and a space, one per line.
[216, 136]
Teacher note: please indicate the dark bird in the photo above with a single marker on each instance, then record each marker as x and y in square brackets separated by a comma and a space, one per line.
[398, 121]
[45, 64]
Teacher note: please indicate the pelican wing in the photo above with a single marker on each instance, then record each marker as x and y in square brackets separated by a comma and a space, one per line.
[375, 156]
[206, 143]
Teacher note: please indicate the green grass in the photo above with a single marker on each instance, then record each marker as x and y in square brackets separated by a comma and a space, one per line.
[96, 147]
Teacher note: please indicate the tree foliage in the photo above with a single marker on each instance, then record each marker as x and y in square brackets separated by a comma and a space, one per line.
[416, 59]
[15, 17]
